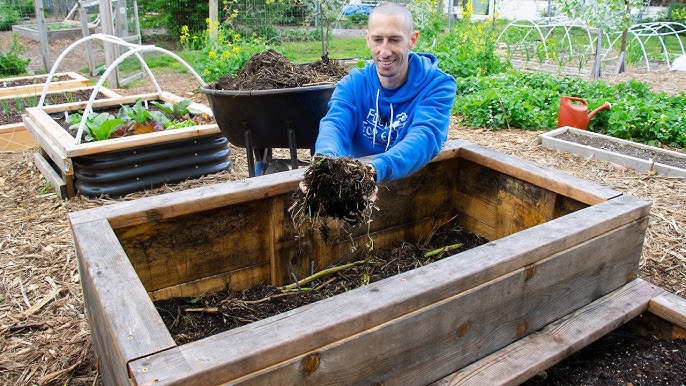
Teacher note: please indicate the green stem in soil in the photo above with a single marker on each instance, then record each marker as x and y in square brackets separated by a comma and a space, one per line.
[438, 251]
[321, 273]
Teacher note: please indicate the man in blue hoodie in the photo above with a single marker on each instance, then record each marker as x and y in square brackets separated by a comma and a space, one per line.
[396, 108]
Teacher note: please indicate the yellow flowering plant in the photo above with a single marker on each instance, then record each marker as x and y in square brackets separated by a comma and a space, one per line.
[223, 52]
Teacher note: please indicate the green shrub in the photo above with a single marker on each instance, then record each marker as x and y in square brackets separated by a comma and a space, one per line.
[9, 16]
[172, 14]
[468, 49]
[10, 62]
[532, 100]
[679, 12]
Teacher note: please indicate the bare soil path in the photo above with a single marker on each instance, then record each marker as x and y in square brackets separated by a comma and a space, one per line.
[44, 335]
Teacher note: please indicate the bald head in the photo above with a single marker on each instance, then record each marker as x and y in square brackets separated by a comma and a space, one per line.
[394, 9]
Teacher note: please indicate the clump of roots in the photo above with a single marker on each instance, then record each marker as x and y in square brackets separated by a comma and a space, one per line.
[337, 188]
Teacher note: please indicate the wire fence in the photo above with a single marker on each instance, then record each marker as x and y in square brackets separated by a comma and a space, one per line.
[283, 19]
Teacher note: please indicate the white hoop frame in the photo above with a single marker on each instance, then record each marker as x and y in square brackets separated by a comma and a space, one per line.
[134, 49]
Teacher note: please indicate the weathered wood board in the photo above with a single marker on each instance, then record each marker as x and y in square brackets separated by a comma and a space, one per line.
[15, 137]
[557, 243]
[73, 80]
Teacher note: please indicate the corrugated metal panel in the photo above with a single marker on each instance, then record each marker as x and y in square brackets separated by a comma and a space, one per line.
[120, 172]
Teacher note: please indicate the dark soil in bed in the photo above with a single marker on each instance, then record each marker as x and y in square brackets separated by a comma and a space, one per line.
[190, 319]
[629, 355]
[632, 151]
[29, 81]
[11, 109]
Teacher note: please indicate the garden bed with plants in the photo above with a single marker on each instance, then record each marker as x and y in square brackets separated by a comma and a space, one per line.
[13, 134]
[126, 144]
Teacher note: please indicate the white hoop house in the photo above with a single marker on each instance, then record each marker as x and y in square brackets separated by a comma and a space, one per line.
[574, 38]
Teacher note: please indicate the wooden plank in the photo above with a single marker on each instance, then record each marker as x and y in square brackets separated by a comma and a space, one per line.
[186, 248]
[521, 205]
[124, 323]
[532, 354]
[476, 195]
[242, 278]
[581, 190]
[50, 175]
[175, 204]
[103, 90]
[14, 137]
[449, 313]
[48, 128]
[75, 80]
[48, 146]
[670, 307]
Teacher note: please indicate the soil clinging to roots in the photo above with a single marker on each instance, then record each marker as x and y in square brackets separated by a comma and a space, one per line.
[270, 70]
[339, 188]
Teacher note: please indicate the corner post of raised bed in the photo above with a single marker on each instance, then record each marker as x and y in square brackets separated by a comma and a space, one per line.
[111, 51]
[40, 21]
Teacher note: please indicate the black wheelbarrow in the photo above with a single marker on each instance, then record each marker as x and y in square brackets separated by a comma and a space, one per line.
[262, 120]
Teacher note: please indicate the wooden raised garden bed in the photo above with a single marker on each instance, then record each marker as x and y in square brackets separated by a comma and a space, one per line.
[33, 85]
[14, 136]
[632, 155]
[556, 245]
[122, 165]
[55, 31]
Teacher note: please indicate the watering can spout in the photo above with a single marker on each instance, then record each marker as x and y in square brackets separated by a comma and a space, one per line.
[574, 112]
[604, 106]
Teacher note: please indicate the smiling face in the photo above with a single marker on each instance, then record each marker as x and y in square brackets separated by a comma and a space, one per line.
[390, 38]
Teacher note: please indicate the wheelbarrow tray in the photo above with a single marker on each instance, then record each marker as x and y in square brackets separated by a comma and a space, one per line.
[262, 119]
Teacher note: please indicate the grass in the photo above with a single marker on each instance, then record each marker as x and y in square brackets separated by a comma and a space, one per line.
[341, 48]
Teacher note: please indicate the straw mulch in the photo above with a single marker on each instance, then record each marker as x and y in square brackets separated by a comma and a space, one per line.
[44, 335]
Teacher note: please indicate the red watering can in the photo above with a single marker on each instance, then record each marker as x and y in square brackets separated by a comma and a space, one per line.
[574, 112]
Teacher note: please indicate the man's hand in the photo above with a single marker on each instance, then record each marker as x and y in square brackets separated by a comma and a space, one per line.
[303, 187]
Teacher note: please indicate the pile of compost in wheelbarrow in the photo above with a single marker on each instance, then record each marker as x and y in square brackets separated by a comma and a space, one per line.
[270, 70]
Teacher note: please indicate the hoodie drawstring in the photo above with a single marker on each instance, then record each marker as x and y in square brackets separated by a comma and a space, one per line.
[376, 120]
[390, 129]
[376, 117]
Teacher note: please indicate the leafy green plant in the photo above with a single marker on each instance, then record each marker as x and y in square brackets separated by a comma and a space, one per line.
[9, 16]
[10, 62]
[174, 111]
[139, 114]
[137, 119]
[468, 50]
[98, 127]
[5, 107]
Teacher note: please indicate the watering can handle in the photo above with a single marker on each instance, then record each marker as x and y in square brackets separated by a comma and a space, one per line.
[580, 100]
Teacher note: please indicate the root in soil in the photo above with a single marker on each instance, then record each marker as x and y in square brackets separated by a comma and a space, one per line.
[339, 188]
[191, 319]
[270, 70]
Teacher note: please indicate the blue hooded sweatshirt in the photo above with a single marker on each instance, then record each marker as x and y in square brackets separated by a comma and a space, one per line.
[405, 127]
